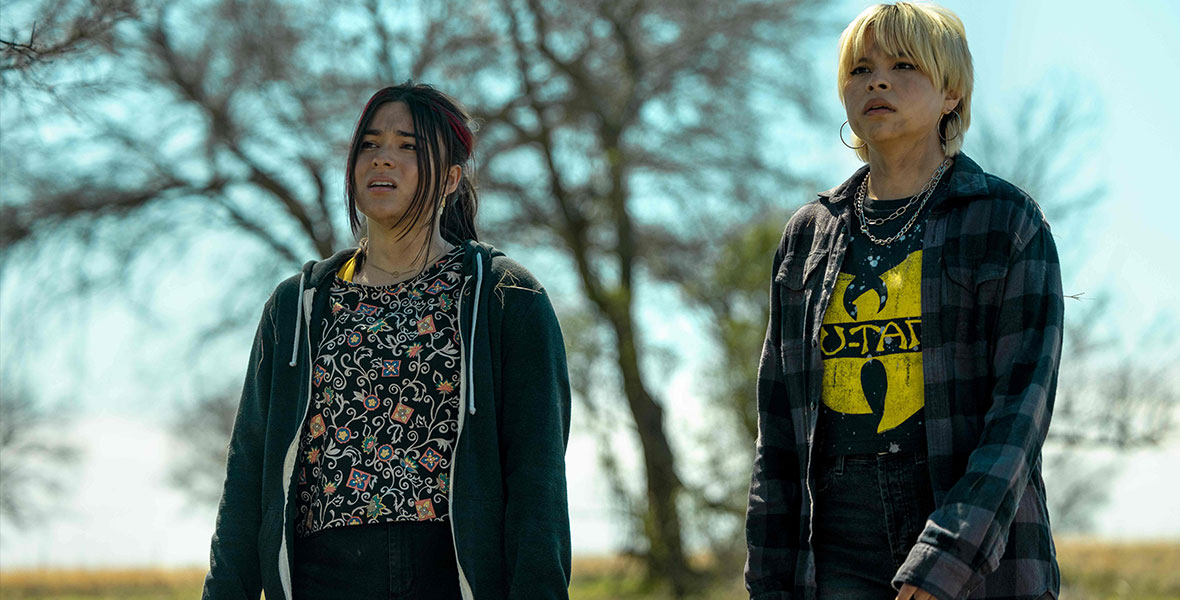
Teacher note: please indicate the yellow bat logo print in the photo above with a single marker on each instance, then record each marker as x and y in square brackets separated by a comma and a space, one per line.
[870, 340]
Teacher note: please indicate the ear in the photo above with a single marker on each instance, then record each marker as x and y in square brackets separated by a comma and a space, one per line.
[950, 102]
[454, 174]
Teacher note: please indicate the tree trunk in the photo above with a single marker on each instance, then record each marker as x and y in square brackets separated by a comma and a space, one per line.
[666, 555]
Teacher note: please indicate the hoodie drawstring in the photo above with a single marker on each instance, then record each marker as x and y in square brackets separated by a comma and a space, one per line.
[298, 320]
[474, 322]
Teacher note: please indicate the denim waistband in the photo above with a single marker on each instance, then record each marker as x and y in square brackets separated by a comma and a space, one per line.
[898, 458]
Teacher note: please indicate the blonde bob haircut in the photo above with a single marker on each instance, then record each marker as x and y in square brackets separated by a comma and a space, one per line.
[932, 37]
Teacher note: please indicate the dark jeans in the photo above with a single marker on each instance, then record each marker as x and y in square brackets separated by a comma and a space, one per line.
[869, 511]
[402, 561]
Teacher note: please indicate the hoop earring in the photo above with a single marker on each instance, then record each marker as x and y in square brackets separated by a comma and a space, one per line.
[959, 121]
[846, 143]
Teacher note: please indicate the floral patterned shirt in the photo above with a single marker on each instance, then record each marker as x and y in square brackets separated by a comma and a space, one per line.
[382, 423]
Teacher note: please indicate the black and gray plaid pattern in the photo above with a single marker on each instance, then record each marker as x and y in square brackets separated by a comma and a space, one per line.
[992, 324]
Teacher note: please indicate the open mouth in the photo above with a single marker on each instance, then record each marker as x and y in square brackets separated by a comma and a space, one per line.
[382, 185]
[878, 108]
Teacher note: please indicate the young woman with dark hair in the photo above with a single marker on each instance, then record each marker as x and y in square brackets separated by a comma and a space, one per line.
[402, 427]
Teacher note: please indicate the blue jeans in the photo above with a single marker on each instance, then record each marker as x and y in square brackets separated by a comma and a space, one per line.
[395, 561]
[869, 511]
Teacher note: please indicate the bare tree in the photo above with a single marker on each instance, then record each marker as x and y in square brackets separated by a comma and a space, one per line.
[622, 135]
[229, 136]
[632, 137]
[57, 29]
[202, 429]
[35, 458]
[625, 136]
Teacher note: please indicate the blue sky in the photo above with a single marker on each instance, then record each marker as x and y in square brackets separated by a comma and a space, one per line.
[1119, 60]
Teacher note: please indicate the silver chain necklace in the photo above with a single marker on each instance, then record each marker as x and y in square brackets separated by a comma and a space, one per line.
[921, 198]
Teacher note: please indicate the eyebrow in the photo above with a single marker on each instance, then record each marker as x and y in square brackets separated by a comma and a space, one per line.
[409, 134]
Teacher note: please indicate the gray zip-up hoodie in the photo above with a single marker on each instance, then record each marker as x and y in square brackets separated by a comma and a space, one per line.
[508, 508]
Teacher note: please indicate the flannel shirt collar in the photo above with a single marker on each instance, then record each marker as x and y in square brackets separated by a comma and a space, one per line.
[966, 180]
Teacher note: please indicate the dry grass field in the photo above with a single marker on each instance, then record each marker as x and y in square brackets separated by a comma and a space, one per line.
[1091, 570]
[1096, 570]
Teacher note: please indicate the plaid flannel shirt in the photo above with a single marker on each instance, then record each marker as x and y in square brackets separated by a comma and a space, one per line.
[991, 341]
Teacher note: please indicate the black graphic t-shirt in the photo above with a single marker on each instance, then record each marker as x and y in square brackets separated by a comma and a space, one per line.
[871, 341]
[382, 424]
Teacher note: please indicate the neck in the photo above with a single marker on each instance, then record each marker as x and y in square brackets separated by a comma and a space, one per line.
[897, 172]
[394, 258]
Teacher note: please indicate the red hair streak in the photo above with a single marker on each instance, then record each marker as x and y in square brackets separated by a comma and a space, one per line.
[460, 130]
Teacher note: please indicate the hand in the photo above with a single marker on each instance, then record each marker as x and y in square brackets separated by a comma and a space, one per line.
[912, 592]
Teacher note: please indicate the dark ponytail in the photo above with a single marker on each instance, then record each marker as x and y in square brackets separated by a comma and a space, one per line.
[437, 118]
[458, 217]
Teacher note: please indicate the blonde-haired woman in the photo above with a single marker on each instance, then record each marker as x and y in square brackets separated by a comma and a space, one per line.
[911, 358]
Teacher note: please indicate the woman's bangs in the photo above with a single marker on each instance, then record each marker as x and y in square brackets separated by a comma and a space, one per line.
[900, 34]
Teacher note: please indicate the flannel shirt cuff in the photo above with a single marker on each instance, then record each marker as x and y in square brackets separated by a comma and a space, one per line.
[938, 572]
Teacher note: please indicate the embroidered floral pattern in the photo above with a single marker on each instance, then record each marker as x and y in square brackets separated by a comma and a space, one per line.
[391, 368]
[408, 465]
[402, 413]
[383, 423]
[375, 508]
[359, 480]
[372, 402]
[426, 325]
[425, 509]
[430, 459]
[316, 427]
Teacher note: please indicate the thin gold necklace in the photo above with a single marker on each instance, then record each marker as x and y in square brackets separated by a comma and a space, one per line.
[400, 276]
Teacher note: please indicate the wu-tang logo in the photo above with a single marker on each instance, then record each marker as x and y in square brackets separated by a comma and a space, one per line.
[871, 344]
